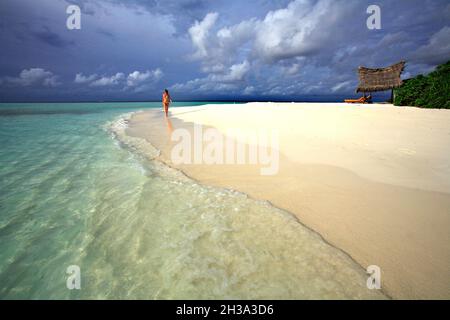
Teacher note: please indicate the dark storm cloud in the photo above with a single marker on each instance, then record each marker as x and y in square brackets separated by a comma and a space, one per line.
[51, 38]
[106, 33]
[131, 49]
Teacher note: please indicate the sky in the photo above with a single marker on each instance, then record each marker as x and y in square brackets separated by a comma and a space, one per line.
[130, 50]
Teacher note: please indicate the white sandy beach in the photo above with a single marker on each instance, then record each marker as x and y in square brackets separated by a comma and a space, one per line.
[373, 180]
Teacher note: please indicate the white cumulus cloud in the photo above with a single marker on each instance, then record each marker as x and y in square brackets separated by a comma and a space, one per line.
[136, 78]
[33, 77]
[108, 81]
[276, 44]
[199, 33]
[230, 80]
[80, 78]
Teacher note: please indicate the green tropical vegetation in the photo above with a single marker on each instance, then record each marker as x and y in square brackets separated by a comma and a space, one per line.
[430, 91]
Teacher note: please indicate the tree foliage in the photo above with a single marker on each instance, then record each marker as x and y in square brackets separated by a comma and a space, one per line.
[431, 91]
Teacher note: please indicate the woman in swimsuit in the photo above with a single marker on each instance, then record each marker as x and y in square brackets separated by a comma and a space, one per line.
[166, 100]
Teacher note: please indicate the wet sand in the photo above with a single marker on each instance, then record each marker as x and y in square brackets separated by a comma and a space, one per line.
[373, 181]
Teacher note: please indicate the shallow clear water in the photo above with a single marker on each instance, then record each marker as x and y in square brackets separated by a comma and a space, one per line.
[72, 194]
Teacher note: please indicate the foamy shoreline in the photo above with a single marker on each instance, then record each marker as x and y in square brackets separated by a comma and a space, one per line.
[398, 221]
[346, 275]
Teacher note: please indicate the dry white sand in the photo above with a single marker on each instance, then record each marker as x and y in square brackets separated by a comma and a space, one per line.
[373, 180]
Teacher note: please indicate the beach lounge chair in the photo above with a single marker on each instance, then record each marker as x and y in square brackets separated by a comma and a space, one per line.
[363, 99]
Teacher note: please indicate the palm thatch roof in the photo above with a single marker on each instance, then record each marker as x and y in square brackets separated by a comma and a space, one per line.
[380, 79]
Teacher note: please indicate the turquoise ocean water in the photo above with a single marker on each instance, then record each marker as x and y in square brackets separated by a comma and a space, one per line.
[71, 193]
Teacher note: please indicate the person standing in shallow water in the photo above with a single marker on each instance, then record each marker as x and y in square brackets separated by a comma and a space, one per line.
[166, 100]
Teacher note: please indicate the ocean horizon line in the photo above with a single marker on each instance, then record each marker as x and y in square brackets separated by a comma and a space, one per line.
[316, 98]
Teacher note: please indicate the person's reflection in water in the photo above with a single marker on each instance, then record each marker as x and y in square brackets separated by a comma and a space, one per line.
[169, 126]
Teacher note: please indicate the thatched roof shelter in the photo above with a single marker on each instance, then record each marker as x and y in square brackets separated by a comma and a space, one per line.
[380, 79]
